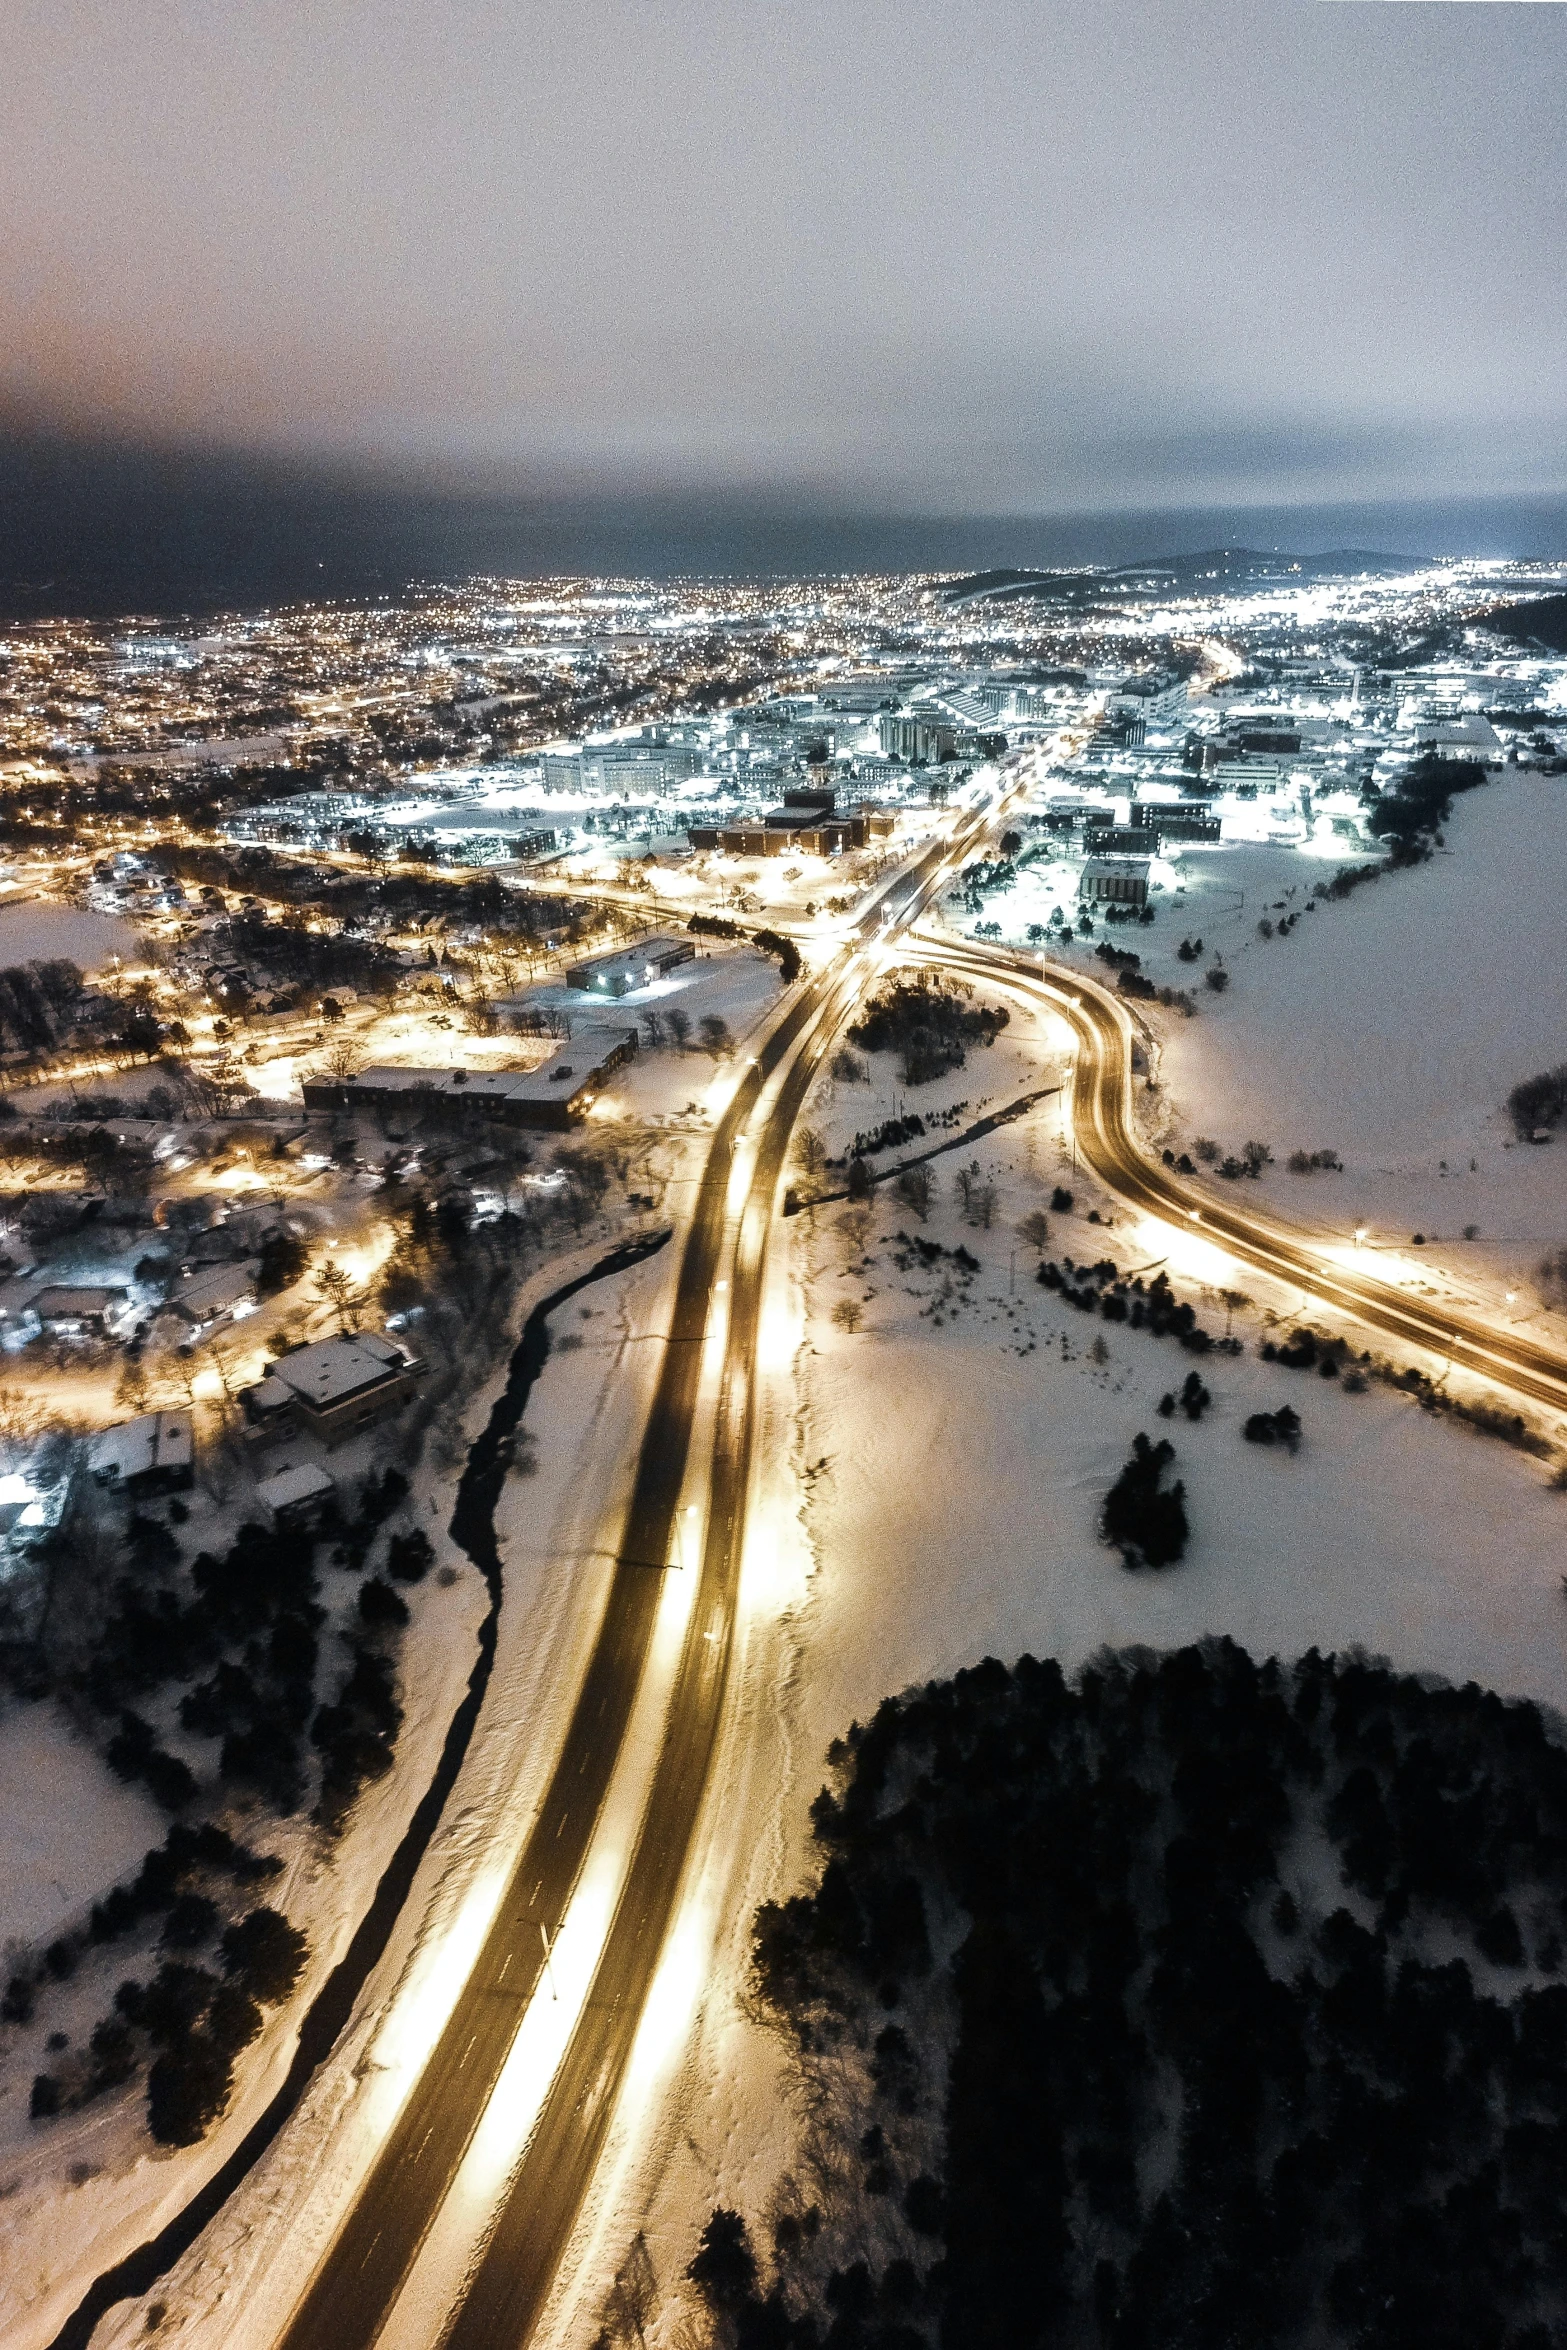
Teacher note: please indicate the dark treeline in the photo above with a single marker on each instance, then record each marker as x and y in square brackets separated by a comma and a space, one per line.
[1410, 817]
[478, 901]
[1105, 1290]
[1199, 2002]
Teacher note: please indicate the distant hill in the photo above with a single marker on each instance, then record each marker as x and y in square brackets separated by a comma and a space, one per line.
[1175, 571]
[1002, 586]
[1256, 563]
[1530, 619]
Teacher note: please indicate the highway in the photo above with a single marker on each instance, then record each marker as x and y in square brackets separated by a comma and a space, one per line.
[347, 2300]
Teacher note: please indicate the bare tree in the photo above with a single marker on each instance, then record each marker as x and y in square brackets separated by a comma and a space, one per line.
[23, 1418]
[1035, 1230]
[1550, 1279]
[979, 1195]
[335, 1288]
[854, 1225]
[341, 1060]
[848, 1314]
[216, 1088]
[916, 1188]
[679, 1026]
[810, 1154]
[632, 2298]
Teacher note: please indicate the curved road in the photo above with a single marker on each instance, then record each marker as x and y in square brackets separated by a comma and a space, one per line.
[1107, 1139]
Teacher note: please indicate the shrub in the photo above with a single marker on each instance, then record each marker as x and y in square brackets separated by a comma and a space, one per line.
[1280, 1427]
[724, 2267]
[1538, 1101]
[187, 2090]
[169, 2007]
[1147, 1524]
[266, 1757]
[282, 1261]
[266, 1954]
[771, 942]
[379, 1604]
[113, 2053]
[382, 1495]
[16, 2007]
[192, 1919]
[410, 1556]
[233, 2019]
[1193, 1399]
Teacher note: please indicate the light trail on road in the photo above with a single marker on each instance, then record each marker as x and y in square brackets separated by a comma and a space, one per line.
[1106, 1137]
[347, 2301]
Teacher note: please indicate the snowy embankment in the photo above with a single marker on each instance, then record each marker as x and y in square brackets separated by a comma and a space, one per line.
[928, 1493]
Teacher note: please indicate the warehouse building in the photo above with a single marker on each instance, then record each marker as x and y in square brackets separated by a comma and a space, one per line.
[629, 968]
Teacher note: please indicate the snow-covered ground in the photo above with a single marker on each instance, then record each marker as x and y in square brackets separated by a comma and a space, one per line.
[928, 1494]
[1388, 1027]
[70, 1829]
[927, 1491]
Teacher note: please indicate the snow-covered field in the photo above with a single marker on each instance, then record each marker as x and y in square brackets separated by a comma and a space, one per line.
[1391, 1027]
[32, 931]
[928, 1495]
[70, 1829]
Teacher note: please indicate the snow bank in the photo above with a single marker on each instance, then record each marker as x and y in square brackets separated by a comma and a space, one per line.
[67, 1829]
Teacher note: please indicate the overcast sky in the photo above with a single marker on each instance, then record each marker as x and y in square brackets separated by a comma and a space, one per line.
[961, 256]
